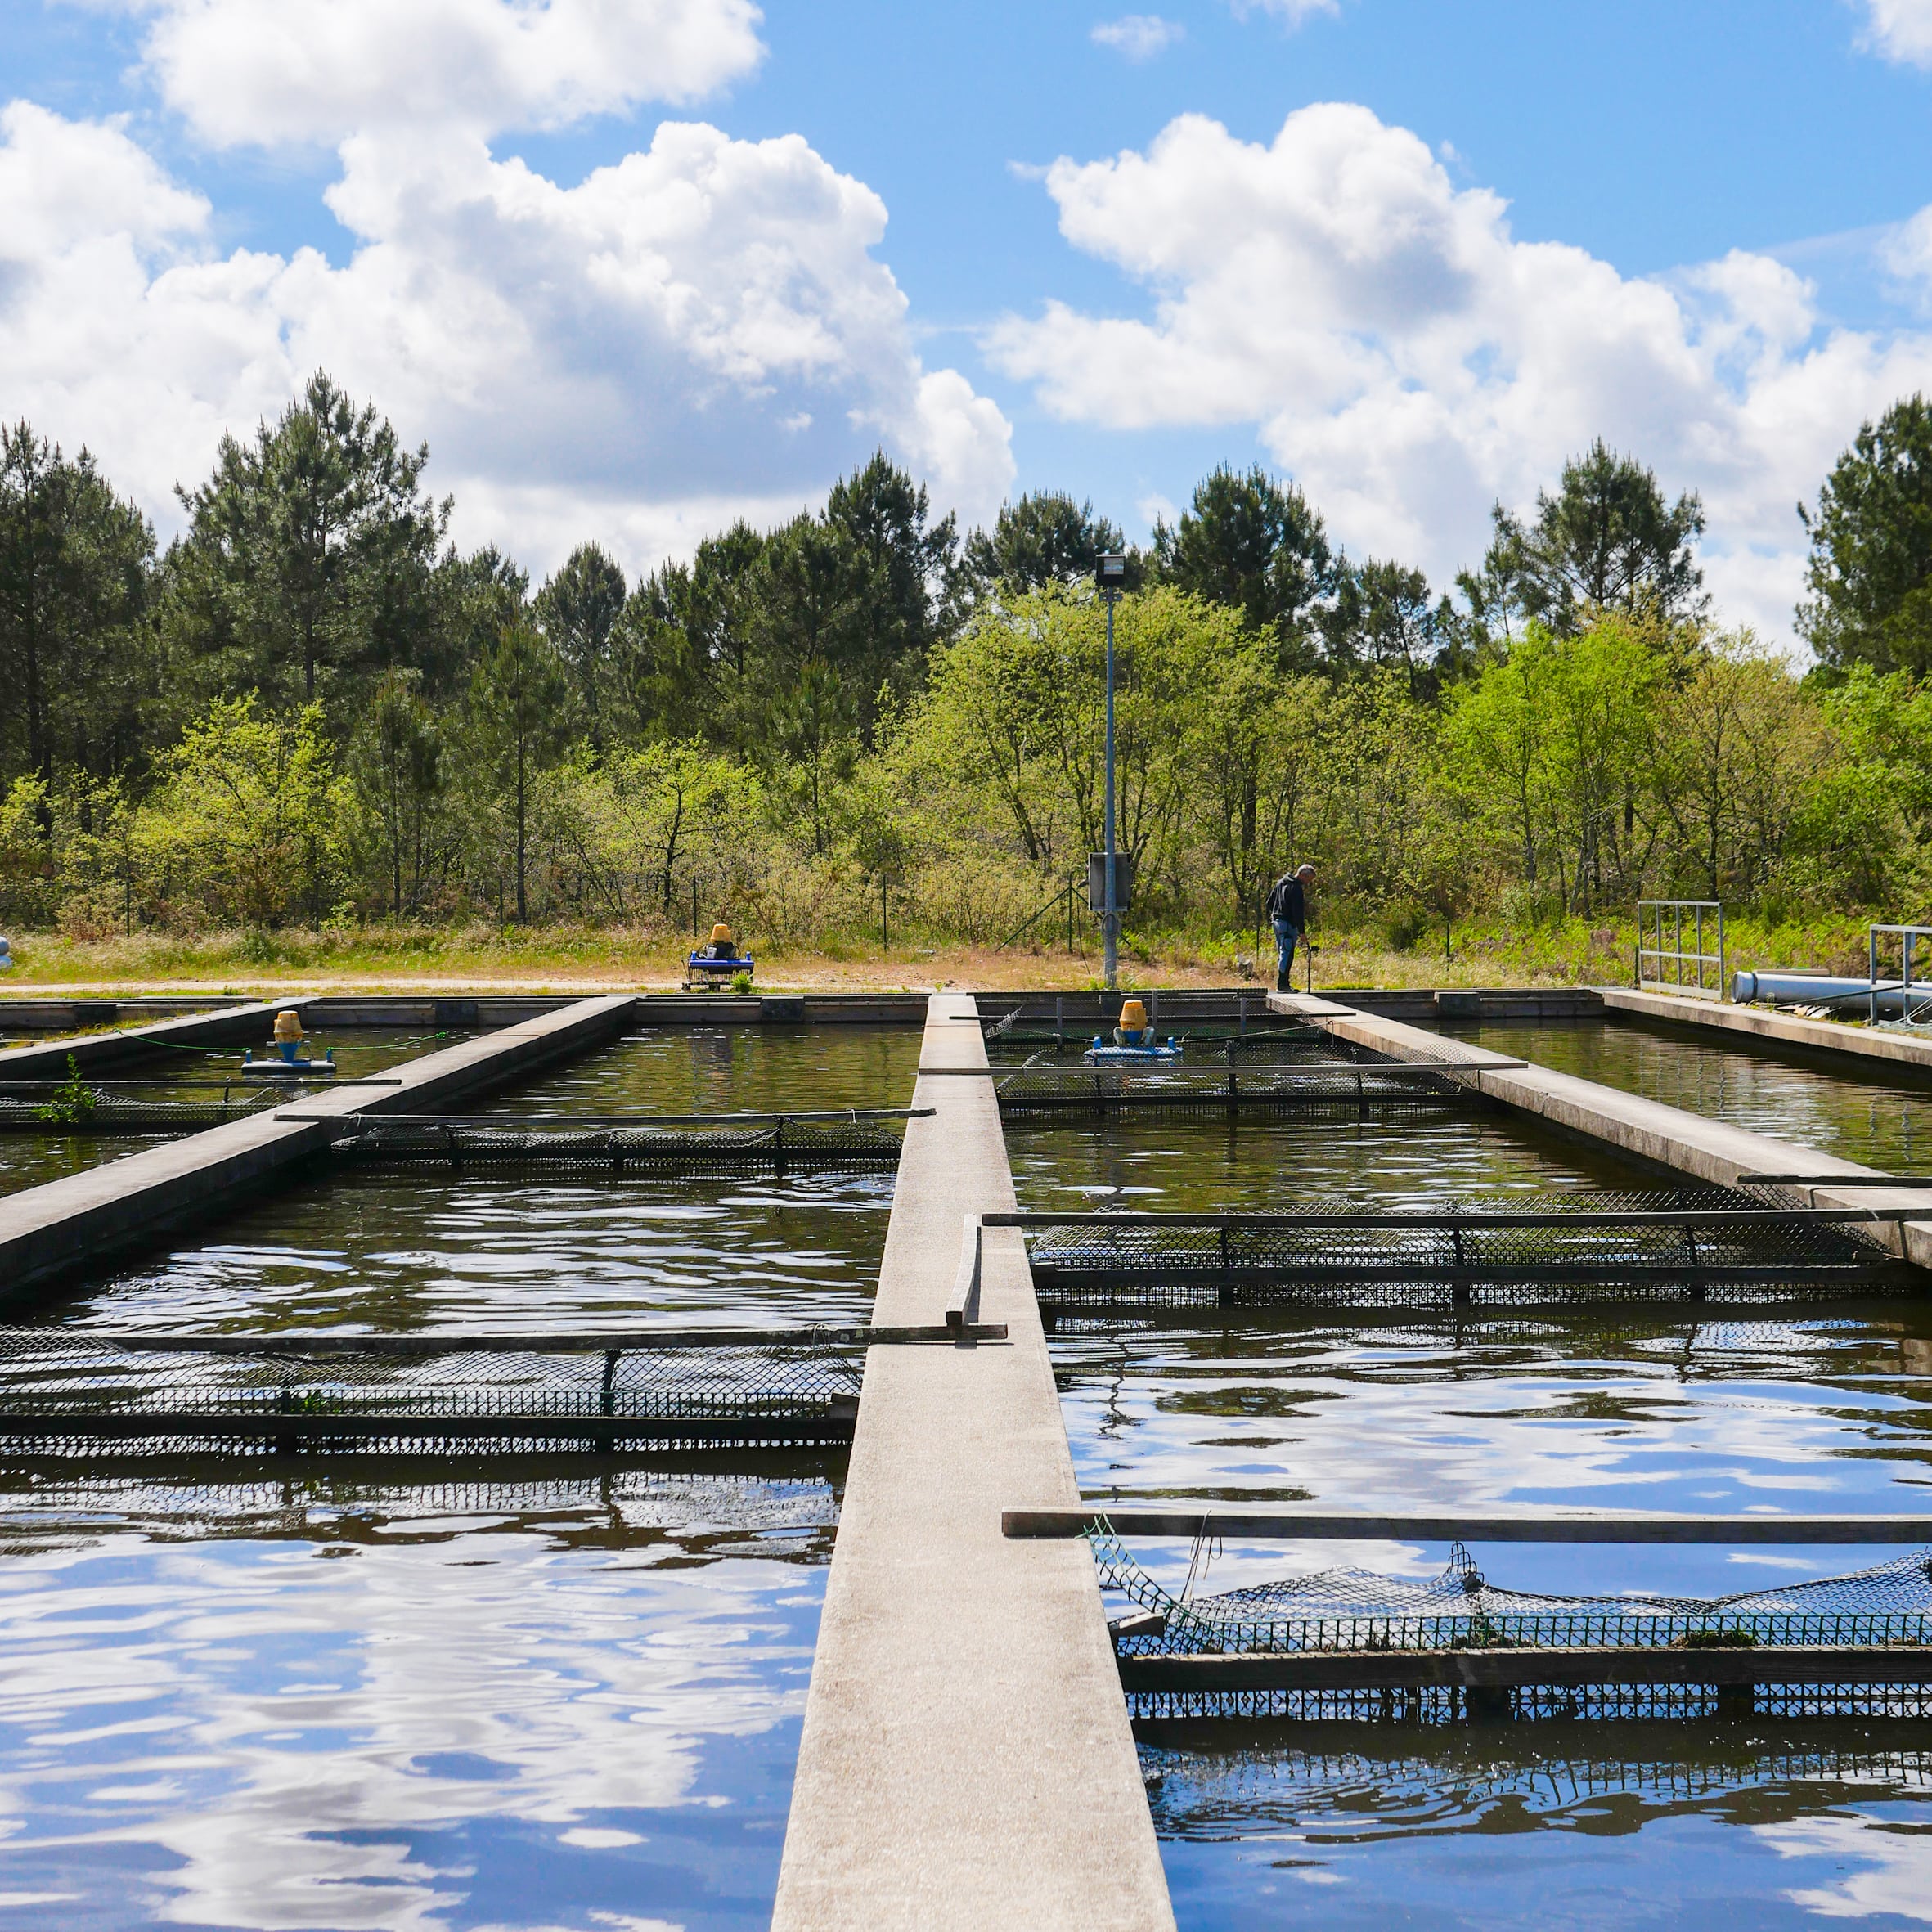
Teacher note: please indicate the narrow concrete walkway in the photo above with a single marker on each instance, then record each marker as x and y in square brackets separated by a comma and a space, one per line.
[1667, 1136]
[1854, 1044]
[967, 1759]
[240, 1025]
[71, 1226]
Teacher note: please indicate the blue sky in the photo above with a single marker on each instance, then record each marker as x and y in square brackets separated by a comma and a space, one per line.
[1361, 303]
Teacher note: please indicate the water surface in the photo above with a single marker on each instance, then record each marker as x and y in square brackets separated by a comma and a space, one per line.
[1882, 1118]
[1605, 1825]
[345, 1699]
[566, 1704]
[414, 1248]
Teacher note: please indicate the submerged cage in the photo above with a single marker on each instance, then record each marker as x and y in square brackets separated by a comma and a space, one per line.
[1235, 1082]
[1351, 1643]
[620, 1145]
[76, 1108]
[1720, 1247]
[73, 1389]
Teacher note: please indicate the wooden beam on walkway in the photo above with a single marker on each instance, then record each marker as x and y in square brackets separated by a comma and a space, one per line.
[1409, 1526]
[967, 1760]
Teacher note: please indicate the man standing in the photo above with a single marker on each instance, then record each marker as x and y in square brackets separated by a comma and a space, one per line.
[1288, 907]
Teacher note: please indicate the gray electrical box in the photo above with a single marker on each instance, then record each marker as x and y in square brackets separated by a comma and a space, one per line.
[1123, 881]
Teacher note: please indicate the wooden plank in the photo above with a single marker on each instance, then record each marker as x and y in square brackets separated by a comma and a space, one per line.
[257, 1424]
[506, 1342]
[1578, 1526]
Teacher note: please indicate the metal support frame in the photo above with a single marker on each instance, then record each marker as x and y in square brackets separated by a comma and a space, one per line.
[1907, 936]
[1652, 916]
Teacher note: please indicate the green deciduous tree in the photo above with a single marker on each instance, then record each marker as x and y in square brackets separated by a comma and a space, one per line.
[246, 822]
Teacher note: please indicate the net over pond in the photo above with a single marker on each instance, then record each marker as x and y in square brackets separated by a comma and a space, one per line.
[1351, 1642]
[76, 1390]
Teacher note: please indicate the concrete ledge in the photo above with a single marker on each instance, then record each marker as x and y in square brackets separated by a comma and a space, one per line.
[70, 1227]
[244, 1024]
[61, 1012]
[1644, 1130]
[967, 1760]
[1812, 1036]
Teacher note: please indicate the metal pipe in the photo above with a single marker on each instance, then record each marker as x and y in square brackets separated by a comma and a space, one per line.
[1110, 916]
[1818, 988]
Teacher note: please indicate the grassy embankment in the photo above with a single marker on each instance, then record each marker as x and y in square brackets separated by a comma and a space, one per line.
[406, 959]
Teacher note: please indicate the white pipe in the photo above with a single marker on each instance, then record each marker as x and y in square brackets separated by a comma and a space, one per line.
[1801, 989]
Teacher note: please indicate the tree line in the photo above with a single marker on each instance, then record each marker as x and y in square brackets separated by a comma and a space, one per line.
[313, 707]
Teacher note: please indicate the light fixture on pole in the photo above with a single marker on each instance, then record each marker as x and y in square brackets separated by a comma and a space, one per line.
[1110, 575]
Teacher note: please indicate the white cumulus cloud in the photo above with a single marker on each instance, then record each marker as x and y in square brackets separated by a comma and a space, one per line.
[1410, 361]
[1138, 36]
[698, 331]
[272, 72]
[1900, 29]
[1294, 12]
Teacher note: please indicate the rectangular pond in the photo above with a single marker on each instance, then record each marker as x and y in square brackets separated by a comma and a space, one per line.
[203, 1078]
[1610, 1823]
[353, 1691]
[1881, 1115]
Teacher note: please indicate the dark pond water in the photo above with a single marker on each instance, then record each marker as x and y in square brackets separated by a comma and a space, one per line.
[1265, 1825]
[418, 1249]
[568, 1701]
[1885, 1121]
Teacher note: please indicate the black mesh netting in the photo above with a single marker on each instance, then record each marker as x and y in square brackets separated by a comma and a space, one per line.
[101, 1111]
[1266, 1072]
[1242, 1087]
[1346, 1613]
[611, 1151]
[70, 1385]
[1716, 1245]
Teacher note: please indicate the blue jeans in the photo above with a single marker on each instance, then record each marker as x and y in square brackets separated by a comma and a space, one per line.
[1287, 937]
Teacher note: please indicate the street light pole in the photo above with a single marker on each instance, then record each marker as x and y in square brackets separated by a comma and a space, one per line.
[1110, 574]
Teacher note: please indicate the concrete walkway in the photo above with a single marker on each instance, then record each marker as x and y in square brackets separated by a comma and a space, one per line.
[1688, 1143]
[72, 1226]
[967, 1759]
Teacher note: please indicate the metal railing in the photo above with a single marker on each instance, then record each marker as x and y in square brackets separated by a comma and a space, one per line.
[1670, 956]
[1908, 937]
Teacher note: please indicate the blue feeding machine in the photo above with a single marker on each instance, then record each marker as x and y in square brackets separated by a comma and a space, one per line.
[1133, 1039]
[719, 961]
[284, 1056]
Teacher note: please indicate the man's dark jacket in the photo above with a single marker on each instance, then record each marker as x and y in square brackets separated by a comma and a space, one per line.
[1287, 901]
